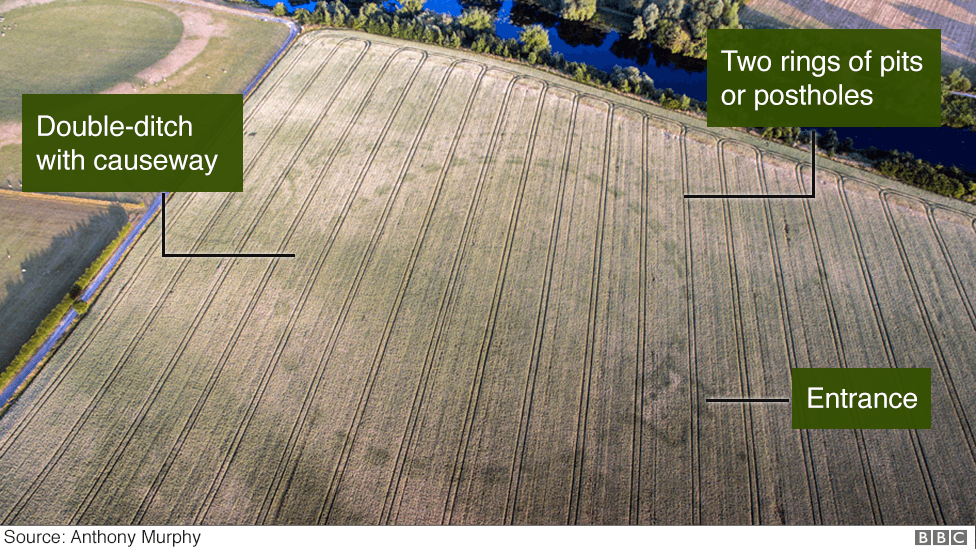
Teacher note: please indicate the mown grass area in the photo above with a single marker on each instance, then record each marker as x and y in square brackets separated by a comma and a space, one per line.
[231, 59]
[11, 168]
[83, 46]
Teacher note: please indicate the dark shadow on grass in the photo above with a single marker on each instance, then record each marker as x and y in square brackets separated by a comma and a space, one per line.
[48, 275]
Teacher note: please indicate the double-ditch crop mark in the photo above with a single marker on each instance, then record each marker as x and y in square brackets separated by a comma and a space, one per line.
[272, 494]
[576, 489]
[741, 359]
[393, 499]
[258, 395]
[106, 384]
[950, 264]
[489, 332]
[299, 428]
[518, 456]
[372, 490]
[130, 433]
[202, 399]
[288, 463]
[229, 347]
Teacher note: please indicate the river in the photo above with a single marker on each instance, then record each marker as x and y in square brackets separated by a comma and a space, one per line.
[585, 43]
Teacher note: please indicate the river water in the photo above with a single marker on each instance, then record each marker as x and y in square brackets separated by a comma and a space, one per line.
[602, 49]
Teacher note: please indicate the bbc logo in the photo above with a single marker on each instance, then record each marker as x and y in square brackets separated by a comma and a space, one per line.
[941, 537]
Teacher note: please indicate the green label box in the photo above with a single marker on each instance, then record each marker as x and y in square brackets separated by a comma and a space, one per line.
[134, 143]
[840, 78]
[862, 398]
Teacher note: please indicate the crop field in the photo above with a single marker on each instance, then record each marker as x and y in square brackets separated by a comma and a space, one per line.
[46, 243]
[501, 309]
[956, 19]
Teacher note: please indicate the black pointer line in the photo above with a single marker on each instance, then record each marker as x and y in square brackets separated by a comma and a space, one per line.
[749, 400]
[813, 183]
[163, 212]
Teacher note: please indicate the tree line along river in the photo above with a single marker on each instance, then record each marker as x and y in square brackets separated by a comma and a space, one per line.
[603, 49]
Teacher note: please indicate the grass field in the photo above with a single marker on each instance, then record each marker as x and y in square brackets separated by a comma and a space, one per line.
[46, 243]
[196, 48]
[502, 310]
[82, 46]
[956, 19]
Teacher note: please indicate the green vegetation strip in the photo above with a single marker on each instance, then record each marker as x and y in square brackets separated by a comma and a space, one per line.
[475, 30]
[50, 323]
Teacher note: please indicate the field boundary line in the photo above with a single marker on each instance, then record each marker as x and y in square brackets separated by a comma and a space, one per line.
[582, 417]
[489, 332]
[518, 456]
[240, 432]
[393, 492]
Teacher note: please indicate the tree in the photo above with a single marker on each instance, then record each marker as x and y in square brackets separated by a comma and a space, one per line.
[411, 6]
[303, 16]
[829, 142]
[578, 10]
[535, 40]
[81, 307]
[477, 20]
[279, 10]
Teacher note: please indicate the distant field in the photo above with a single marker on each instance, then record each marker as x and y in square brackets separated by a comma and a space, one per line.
[956, 19]
[502, 310]
[50, 241]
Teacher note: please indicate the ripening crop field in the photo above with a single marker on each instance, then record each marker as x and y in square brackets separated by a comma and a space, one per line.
[955, 18]
[501, 309]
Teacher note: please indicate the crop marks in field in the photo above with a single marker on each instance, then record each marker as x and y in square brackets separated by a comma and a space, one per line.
[501, 310]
